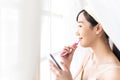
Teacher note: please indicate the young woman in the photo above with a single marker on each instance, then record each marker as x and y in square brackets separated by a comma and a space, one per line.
[102, 64]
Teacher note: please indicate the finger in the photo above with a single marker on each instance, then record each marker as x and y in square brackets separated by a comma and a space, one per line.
[69, 49]
[73, 49]
[54, 68]
[65, 67]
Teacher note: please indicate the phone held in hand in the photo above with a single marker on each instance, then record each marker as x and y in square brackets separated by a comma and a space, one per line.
[55, 61]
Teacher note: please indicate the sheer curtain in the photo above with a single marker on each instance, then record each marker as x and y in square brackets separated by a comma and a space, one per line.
[58, 27]
[19, 39]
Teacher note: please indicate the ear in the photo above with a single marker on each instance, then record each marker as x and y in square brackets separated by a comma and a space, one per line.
[98, 29]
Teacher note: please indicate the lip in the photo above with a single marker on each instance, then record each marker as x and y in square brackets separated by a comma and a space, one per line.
[80, 38]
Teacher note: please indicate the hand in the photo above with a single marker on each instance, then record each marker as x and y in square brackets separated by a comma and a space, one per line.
[68, 58]
[59, 74]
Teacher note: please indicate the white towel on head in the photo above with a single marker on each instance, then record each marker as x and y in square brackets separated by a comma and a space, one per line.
[108, 14]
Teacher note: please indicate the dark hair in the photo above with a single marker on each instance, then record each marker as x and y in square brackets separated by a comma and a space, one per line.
[89, 18]
[116, 51]
[93, 22]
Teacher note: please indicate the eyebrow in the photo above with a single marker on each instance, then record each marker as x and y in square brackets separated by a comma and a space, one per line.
[80, 22]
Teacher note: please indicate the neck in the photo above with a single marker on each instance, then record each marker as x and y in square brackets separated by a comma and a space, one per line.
[101, 50]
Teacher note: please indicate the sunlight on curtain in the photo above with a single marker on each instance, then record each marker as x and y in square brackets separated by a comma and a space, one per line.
[51, 35]
[9, 30]
[9, 21]
[58, 27]
[19, 39]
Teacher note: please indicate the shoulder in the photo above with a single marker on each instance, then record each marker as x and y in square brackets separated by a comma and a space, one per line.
[112, 74]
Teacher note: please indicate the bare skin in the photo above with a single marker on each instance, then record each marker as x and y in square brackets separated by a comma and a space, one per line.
[102, 53]
[94, 38]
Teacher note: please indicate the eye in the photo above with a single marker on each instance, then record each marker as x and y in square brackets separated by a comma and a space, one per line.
[79, 26]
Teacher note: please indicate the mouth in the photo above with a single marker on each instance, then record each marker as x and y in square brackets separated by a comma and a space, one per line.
[80, 38]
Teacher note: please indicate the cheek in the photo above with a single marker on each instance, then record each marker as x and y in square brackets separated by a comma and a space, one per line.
[85, 32]
[87, 35]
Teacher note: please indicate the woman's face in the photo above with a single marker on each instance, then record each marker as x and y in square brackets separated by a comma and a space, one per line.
[85, 32]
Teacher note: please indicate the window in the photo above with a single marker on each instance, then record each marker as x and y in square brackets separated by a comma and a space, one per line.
[50, 35]
[58, 26]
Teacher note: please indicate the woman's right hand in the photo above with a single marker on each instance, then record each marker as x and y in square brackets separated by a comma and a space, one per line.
[66, 59]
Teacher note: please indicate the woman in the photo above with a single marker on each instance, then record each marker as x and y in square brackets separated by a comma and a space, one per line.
[102, 64]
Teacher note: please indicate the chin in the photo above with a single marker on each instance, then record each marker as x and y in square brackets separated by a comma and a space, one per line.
[84, 45]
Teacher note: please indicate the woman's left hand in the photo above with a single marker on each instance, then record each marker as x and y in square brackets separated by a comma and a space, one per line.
[59, 74]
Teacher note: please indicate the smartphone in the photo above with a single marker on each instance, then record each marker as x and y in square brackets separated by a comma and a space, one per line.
[55, 61]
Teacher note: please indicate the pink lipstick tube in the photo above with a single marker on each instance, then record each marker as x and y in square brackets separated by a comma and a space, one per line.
[64, 53]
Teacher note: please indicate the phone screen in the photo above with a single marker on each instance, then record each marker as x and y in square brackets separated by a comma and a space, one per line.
[55, 61]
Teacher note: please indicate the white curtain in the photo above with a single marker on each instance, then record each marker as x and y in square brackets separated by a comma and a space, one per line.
[19, 39]
[58, 29]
